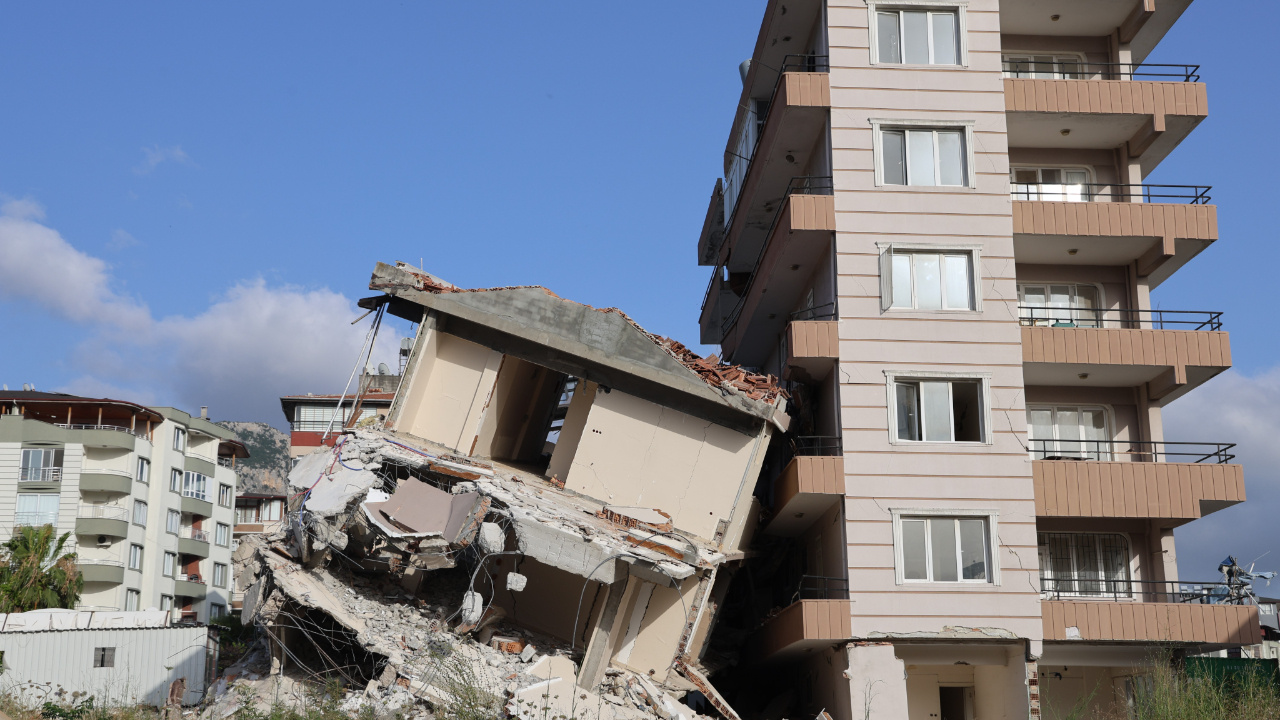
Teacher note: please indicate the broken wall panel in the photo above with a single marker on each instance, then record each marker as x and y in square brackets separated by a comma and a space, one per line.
[552, 600]
[518, 414]
[454, 378]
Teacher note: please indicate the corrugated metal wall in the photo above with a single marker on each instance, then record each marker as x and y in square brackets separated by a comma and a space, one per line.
[146, 661]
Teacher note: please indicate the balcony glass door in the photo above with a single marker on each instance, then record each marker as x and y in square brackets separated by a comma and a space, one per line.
[1050, 184]
[41, 465]
[1084, 565]
[36, 509]
[1068, 433]
[1060, 305]
[1044, 67]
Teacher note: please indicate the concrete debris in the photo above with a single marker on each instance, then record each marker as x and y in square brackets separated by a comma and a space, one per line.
[493, 539]
[472, 608]
[516, 582]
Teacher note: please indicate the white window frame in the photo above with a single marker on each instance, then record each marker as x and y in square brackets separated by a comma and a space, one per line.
[960, 7]
[217, 610]
[1046, 284]
[886, 250]
[143, 471]
[226, 489]
[132, 598]
[878, 125]
[1090, 180]
[984, 382]
[180, 439]
[168, 522]
[136, 553]
[1058, 58]
[169, 565]
[175, 480]
[222, 534]
[219, 571]
[134, 514]
[992, 516]
[1108, 418]
[166, 603]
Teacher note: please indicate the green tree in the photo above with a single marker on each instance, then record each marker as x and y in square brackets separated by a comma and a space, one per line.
[35, 574]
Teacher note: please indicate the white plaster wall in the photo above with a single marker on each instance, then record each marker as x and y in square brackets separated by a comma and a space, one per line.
[452, 383]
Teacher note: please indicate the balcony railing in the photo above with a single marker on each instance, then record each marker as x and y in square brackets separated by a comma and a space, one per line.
[197, 494]
[35, 519]
[99, 561]
[817, 587]
[108, 512]
[1132, 451]
[194, 534]
[1041, 316]
[1094, 586]
[740, 168]
[1084, 70]
[115, 428]
[811, 445]
[1111, 192]
[826, 311]
[40, 474]
[191, 578]
[226, 462]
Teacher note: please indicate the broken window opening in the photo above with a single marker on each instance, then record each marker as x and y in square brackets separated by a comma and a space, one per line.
[528, 403]
[316, 644]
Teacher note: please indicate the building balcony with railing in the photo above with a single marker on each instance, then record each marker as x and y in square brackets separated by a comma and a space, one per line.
[40, 475]
[35, 518]
[108, 520]
[103, 570]
[815, 612]
[810, 484]
[1169, 352]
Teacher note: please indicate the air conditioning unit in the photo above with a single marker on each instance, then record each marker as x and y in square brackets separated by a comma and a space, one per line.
[103, 541]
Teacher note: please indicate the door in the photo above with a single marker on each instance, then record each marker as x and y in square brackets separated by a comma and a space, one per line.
[1069, 433]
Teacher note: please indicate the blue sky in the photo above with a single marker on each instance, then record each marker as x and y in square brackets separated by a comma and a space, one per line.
[210, 186]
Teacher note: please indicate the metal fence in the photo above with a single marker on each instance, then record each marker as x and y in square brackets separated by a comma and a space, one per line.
[1071, 69]
[1132, 451]
[1042, 316]
[1111, 192]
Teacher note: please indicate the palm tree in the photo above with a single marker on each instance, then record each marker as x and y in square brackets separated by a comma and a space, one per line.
[34, 573]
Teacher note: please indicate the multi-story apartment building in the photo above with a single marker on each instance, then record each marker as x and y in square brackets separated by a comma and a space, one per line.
[933, 222]
[148, 495]
[310, 416]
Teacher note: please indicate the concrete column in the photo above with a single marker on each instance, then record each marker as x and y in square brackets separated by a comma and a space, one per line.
[600, 648]
[1006, 692]
[877, 682]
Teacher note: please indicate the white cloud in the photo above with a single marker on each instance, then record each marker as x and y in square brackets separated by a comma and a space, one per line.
[1243, 409]
[252, 344]
[121, 239]
[21, 208]
[155, 155]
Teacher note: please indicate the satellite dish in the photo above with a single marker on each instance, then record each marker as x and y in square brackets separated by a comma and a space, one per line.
[383, 369]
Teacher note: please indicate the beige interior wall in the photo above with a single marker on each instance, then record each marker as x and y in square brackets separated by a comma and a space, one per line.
[575, 421]
[1064, 689]
[1094, 49]
[447, 407]
[549, 602]
[636, 452]
[1002, 691]
[663, 622]
[877, 688]
[514, 421]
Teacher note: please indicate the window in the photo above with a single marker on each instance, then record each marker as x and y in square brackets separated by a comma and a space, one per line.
[143, 474]
[1050, 184]
[1048, 67]
[1084, 565]
[1060, 305]
[41, 465]
[173, 522]
[139, 513]
[945, 549]
[922, 280]
[132, 598]
[222, 534]
[36, 509]
[170, 562]
[175, 480]
[219, 575]
[196, 486]
[180, 439]
[938, 410]
[1068, 432]
[135, 557]
[166, 603]
[918, 37]
[925, 156]
[105, 657]
[216, 610]
[225, 496]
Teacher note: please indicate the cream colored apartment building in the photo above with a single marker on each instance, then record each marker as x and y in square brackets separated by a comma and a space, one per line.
[933, 223]
[147, 494]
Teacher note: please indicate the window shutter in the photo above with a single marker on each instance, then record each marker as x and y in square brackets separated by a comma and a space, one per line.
[886, 278]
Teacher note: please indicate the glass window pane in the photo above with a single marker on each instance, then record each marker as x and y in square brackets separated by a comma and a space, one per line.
[942, 541]
[1040, 428]
[1088, 314]
[920, 157]
[915, 37]
[913, 554]
[944, 39]
[973, 549]
[1025, 175]
[959, 280]
[895, 157]
[908, 412]
[1060, 301]
[901, 280]
[951, 158]
[887, 37]
[1042, 66]
[928, 280]
[935, 403]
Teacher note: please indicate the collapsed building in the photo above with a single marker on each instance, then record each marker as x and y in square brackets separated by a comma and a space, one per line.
[554, 506]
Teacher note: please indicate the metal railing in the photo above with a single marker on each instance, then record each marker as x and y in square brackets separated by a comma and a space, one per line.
[197, 494]
[826, 311]
[1086, 70]
[40, 474]
[733, 190]
[820, 587]
[191, 578]
[1042, 316]
[1111, 192]
[116, 428]
[194, 534]
[1094, 586]
[810, 445]
[108, 512]
[226, 462]
[1132, 451]
[99, 561]
[35, 519]
[97, 608]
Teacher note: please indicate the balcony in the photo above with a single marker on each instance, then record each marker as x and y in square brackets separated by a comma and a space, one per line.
[39, 478]
[195, 502]
[108, 520]
[1121, 479]
[102, 480]
[812, 345]
[35, 519]
[803, 626]
[190, 586]
[103, 571]
[1160, 227]
[1141, 23]
[194, 542]
[810, 484]
[1170, 352]
[750, 298]
[116, 437]
[199, 464]
[1098, 610]
[1147, 109]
